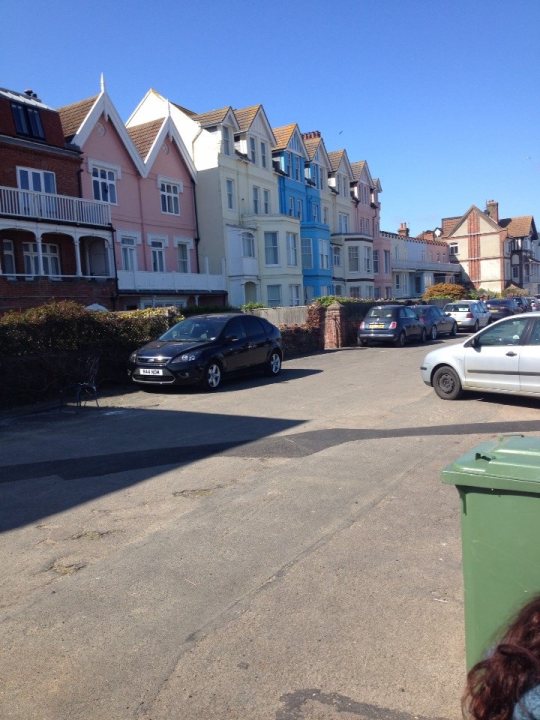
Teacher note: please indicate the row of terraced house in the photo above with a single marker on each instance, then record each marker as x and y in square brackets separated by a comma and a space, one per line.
[175, 207]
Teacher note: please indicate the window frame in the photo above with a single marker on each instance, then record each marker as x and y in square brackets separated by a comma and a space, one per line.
[271, 251]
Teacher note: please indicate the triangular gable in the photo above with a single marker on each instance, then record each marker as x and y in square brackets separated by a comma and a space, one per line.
[289, 137]
[169, 129]
[339, 161]
[461, 221]
[519, 227]
[104, 106]
[255, 119]
[212, 118]
[361, 172]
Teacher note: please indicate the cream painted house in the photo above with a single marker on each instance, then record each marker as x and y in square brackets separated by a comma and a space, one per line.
[354, 243]
[240, 225]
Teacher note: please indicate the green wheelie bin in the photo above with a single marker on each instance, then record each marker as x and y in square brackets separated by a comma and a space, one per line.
[499, 487]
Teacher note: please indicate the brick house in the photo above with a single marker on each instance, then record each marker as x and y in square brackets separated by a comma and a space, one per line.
[494, 252]
[53, 244]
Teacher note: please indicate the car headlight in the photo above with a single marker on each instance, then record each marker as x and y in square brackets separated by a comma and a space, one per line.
[133, 357]
[187, 357]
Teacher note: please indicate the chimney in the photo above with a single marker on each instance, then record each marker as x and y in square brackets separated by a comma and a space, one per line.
[312, 134]
[403, 230]
[492, 209]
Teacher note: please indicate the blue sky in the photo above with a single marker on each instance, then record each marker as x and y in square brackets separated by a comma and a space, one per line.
[440, 97]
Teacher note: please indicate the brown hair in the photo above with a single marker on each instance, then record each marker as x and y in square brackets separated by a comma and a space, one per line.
[496, 684]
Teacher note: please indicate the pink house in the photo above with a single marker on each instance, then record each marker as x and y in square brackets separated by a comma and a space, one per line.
[148, 179]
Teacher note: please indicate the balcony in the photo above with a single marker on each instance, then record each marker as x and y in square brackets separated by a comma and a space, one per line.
[417, 265]
[145, 281]
[46, 207]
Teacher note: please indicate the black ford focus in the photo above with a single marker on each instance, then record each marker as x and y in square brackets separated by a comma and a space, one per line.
[203, 348]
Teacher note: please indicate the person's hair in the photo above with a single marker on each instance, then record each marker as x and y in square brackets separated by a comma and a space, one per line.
[496, 684]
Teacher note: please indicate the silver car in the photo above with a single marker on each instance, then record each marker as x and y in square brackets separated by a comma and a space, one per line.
[468, 314]
[502, 358]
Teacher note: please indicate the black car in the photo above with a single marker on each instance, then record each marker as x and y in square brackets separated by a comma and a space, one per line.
[391, 323]
[436, 322]
[503, 308]
[202, 348]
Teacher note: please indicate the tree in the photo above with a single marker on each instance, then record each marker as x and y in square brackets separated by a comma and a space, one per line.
[445, 290]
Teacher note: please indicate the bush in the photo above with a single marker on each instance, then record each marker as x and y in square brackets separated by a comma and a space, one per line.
[43, 348]
[453, 291]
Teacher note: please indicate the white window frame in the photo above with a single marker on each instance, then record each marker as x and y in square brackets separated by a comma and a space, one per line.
[111, 175]
[336, 256]
[264, 155]
[230, 192]
[294, 295]
[50, 254]
[271, 248]
[367, 259]
[292, 249]
[7, 257]
[307, 253]
[157, 245]
[353, 255]
[343, 223]
[300, 208]
[225, 140]
[256, 200]
[182, 257]
[276, 291]
[291, 207]
[128, 251]
[266, 202]
[248, 244]
[253, 150]
[324, 254]
[46, 177]
[169, 193]
[375, 262]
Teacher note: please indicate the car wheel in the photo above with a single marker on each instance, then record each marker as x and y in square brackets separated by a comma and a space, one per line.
[433, 334]
[364, 343]
[400, 340]
[423, 335]
[273, 364]
[446, 383]
[453, 331]
[213, 375]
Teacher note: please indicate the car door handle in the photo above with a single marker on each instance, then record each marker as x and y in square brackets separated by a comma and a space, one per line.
[511, 353]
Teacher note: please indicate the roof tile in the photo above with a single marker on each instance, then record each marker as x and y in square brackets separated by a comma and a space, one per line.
[72, 116]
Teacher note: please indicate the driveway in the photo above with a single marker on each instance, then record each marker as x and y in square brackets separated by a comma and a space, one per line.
[279, 550]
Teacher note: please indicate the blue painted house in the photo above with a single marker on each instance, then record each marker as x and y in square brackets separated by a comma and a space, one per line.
[303, 180]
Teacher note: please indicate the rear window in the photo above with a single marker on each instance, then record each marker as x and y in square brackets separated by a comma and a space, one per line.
[381, 312]
[457, 307]
[494, 303]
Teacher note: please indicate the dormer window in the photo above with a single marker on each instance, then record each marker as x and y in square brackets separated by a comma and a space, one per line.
[252, 150]
[264, 155]
[27, 121]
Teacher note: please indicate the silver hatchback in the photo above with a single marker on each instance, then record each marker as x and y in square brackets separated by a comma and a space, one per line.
[468, 314]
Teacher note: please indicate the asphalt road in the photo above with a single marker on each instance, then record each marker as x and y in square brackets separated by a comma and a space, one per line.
[279, 550]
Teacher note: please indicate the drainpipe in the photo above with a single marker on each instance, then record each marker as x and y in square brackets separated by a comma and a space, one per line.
[114, 297]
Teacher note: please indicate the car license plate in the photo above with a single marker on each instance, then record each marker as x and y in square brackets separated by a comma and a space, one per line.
[151, 371]
[376, 325]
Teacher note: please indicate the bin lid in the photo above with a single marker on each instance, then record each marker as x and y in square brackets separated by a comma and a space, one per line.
[512, 462]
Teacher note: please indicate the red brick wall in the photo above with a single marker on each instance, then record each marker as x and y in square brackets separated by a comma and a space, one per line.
[23, 294]
[65, 168]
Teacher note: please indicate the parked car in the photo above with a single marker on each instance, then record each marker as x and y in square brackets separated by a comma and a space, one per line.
[391, 323]
[203, 348]
[469, 314]
[500, 308]
[502, 358]
[435, 321]
[534, 303]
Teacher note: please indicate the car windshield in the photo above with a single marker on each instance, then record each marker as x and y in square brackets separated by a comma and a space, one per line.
[196, 329]
[381, 312]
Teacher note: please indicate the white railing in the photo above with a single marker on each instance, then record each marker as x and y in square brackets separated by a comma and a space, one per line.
[56, 208]
[169, 281]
